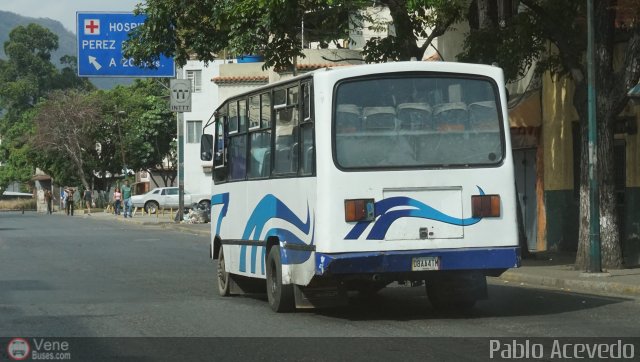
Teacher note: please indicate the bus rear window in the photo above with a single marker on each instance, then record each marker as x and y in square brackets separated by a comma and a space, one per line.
[416, 122]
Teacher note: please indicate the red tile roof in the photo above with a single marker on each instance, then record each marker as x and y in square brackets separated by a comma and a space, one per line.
[241, 79]
[320, 65]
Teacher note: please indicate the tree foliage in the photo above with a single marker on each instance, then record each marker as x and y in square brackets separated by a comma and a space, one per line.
[84, 137]
[56, 121]
[142, 124]
[65, 129]
[413, 20]
[517, 39]
[273, 28]
[27, 76]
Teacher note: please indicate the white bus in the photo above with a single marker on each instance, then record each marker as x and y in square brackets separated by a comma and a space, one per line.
[352, 178]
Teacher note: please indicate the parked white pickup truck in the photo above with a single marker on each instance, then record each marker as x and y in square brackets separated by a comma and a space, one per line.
[167, 197]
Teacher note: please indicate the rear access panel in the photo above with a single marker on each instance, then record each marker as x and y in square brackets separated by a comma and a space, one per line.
[422, 213]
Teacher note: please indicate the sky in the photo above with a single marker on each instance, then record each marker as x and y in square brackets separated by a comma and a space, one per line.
[64, 11]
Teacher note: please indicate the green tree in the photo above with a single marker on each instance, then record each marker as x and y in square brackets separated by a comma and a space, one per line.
[413, 20]
[514, 41]
[27, 76]
[65, 129]
[273, 28]
[142, 124]
[79, 136]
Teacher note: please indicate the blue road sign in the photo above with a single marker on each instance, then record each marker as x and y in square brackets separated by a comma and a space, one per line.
[100, 39]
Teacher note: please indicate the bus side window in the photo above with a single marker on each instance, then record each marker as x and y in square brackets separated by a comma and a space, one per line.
[242, 115]
[286, 140]
[265, 111]
[237, 157]
[287, 119]
[307, 151]
[233, 118]
[238, 143]
[259, 154]
[307, 154]
[220, 150]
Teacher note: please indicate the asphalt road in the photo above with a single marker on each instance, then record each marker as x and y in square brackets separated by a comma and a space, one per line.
[81, 277]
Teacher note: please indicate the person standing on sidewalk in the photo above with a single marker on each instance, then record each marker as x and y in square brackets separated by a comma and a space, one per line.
[69, 200]
[63, 199]
[117, 200]
[87, 200]
[47, 198]
[126, 196]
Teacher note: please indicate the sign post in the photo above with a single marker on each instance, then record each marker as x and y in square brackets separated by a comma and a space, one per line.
[180, 102]
[100, 40]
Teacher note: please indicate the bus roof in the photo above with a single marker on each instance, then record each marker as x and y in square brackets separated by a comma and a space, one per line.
[356, 70]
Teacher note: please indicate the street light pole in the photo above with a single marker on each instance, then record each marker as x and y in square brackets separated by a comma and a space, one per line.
[121, 115]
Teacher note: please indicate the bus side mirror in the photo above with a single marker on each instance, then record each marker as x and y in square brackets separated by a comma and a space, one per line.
[206, 147]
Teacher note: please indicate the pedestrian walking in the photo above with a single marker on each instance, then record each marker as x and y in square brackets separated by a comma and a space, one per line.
[63, 199]
[48, 198]
[117, 200]
[126, 195]
[69, 200]
[87, 200]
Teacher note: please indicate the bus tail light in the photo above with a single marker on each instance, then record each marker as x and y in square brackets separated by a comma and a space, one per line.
[359, 210]
[485, 206]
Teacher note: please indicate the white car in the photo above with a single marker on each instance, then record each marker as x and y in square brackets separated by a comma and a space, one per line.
[167, 197]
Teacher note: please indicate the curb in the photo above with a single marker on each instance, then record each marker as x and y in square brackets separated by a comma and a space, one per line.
[166, 225]
[185, 228]
[591, 285]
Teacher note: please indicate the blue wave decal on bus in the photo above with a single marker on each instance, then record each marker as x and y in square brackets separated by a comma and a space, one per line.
[270, 207]
[220, 199]
[418, 209]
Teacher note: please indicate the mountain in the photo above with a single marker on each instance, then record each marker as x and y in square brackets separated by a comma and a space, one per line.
[66, 43]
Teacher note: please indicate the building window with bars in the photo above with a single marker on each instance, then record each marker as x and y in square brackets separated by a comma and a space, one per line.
[194, 131]
[195, 76]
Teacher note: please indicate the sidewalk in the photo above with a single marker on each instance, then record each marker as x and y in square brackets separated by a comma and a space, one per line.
[545, 270]
[557, 271]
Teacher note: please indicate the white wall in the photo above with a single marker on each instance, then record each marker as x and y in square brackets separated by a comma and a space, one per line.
[203, 103]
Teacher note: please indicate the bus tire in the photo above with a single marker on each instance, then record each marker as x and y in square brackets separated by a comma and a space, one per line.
[224, 282]
[280, 296]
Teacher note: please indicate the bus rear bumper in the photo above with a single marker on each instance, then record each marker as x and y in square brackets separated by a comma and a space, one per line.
[381, 262]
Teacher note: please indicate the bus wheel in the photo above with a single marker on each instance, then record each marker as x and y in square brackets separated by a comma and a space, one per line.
[223, 276]
[280, 295]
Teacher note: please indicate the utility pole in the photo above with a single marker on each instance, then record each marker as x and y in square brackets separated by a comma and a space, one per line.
[595, 265]
[180, 117]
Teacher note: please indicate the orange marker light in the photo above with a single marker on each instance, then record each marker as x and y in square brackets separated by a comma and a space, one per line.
[359, 210]
[485, 206]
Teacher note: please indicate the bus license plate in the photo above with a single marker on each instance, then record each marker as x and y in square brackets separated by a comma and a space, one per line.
[425, 263]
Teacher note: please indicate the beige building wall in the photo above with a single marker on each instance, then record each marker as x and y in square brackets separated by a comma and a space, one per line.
[557, 139]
